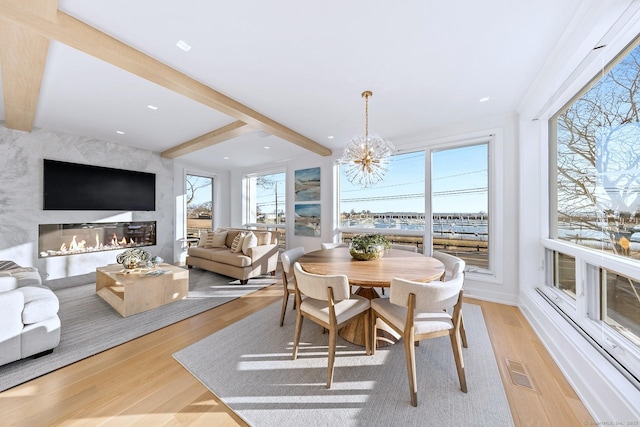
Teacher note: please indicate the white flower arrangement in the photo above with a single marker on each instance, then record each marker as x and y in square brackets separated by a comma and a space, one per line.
[132, 257]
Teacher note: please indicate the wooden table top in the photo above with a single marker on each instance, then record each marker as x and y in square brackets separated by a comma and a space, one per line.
[374, 273]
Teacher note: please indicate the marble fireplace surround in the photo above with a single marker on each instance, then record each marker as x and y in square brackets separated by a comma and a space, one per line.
[81, 238]
[21, 201]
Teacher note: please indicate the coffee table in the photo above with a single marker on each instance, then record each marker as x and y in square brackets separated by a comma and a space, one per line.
[137, 291]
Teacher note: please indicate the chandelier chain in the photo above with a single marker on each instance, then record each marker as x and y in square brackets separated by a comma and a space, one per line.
[366, 96]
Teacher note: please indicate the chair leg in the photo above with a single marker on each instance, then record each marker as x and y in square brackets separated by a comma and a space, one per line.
[463, 333]
[285, 300]
[457, 356]
[332, 355]
[367, 332]
[296, 335]
[410, 354]
[373, 331]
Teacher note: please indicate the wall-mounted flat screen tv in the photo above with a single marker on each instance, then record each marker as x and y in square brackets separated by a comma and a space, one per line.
[73, 186]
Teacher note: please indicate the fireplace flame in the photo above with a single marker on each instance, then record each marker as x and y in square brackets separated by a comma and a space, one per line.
[83, 240]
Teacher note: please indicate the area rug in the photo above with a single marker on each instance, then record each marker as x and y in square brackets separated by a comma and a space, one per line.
[248, 365]
[90, 325]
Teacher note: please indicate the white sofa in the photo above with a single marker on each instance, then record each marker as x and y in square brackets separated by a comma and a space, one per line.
[214, 253]
[29, 322]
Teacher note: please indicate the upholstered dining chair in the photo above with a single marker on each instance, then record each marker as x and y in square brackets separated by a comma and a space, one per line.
[417, 311]
[452, 266]
[330, 304]
[330, 245]
[409, 248]
[288, 258]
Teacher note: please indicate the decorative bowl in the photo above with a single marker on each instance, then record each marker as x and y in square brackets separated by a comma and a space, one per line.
[366, 256]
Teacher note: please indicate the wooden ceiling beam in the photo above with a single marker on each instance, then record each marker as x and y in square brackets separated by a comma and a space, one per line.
[72, 32]
[217, 136]
[23, 54]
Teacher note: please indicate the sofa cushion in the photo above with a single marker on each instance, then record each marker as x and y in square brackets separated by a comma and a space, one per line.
[203, 238]
[231, 234]
[219, 239]
[39, 304]
[264, 237]
[250, 241]
[204, 253]
[230, 258]
[8, 283]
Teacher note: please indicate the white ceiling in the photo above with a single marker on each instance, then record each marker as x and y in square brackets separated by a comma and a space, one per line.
[303, 64]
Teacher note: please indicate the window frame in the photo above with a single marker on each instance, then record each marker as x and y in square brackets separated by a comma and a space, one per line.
[248, 198]
[495, 139]
[585, 311]
[215, 196]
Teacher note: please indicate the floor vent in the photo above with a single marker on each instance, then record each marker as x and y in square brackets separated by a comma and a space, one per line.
[519, 375]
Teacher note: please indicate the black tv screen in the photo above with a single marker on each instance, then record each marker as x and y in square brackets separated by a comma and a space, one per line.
[73, 186]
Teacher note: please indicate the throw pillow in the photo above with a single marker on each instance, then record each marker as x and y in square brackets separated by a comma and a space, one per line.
[203, 238]
[236, 246]
[264, 237]
[218, 239]
[250, 241]
[209, 240]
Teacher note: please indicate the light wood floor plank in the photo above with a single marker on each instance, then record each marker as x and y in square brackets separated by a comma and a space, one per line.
[140, 383]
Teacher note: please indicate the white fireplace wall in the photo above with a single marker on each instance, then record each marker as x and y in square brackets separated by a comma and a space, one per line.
[21, 185]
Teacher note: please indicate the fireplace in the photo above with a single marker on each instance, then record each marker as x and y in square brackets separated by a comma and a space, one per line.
[71, 239]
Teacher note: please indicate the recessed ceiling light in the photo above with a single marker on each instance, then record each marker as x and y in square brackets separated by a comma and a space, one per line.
[330, 137]
[226, 158]
[119, 132]
[152, 107]
[183, 45]
[485, 99]
[266, 147]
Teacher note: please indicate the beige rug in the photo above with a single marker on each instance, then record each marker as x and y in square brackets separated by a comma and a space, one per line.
[248, 365]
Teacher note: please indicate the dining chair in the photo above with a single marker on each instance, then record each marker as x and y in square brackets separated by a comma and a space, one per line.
[329, 303]
[330, 245]
[417, 311]
[409, 248]
[452, 266]
[288, 258]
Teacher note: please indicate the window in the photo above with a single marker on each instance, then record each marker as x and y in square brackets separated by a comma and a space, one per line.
[199, 195]
[457, 214]
[597, 153]
[460, 203]
[265, 202]
[394, 206]
[595, 210]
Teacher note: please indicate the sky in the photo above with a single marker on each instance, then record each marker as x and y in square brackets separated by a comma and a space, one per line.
[459, 184]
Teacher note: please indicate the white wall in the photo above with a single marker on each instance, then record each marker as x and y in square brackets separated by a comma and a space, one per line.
[21, 195]
[606, 393]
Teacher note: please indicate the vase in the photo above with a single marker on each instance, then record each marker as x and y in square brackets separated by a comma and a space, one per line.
[370, 253]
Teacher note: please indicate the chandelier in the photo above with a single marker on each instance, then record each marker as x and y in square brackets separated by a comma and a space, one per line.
[366, 156]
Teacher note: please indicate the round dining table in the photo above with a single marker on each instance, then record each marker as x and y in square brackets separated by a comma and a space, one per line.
[371, 274]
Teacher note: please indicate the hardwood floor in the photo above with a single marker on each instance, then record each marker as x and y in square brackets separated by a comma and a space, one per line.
[139, 382]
